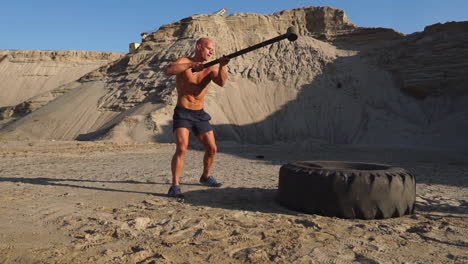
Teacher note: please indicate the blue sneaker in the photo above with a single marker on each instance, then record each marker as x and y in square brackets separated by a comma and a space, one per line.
[210, 181]
[175, 192]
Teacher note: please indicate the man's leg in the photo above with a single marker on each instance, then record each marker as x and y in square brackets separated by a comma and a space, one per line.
[177, 164]
[208, 141]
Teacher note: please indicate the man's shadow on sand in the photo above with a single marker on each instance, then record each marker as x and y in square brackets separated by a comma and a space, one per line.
[246, 199]
[61, 183]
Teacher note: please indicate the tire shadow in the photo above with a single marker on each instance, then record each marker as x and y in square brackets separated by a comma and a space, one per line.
[264, 201]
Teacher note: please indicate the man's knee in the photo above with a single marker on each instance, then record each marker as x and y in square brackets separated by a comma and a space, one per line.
[211, 150]
[181, 150]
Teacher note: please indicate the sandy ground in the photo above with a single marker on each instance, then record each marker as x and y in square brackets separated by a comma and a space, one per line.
[85, 202]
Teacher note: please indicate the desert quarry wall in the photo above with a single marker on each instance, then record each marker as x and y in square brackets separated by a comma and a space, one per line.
[338, 83]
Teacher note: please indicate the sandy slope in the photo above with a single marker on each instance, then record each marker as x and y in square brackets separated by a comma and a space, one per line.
[27, 73]
[74, 202]
[360, 88]
[79, 102]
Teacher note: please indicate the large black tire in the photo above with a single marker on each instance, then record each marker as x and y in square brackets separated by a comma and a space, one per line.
[347, 189]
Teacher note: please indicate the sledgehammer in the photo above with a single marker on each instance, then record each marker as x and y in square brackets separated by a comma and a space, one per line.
[291, 35]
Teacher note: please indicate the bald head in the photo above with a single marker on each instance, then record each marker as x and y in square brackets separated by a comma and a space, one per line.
[203, 41]
[204, 49]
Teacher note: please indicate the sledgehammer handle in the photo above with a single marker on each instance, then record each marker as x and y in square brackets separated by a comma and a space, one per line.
[291, 35]
[249, 49]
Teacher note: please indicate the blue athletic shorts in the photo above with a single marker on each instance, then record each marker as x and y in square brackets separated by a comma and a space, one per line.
[195, 120]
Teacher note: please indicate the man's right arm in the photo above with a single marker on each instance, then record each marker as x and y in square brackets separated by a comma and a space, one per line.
[180, 66]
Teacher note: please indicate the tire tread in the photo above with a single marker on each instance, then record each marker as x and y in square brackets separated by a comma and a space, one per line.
[347, 193]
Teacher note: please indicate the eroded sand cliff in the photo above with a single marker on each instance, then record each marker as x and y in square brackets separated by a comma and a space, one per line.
[338, 83]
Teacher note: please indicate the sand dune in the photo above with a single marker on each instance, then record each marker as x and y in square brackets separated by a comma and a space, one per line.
[338, 83]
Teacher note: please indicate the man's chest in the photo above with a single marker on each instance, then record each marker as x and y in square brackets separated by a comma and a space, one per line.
[201, 77]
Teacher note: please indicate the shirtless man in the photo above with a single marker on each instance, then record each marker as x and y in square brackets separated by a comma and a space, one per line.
[192, 83]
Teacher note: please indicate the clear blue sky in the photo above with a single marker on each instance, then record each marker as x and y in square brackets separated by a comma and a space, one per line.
[110, 25]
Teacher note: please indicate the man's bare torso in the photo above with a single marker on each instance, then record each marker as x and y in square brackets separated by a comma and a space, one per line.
[192, 87]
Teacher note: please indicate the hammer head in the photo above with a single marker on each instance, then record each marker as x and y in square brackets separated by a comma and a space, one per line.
[292, 34]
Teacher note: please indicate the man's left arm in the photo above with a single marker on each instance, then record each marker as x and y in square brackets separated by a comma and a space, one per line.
[219, 76]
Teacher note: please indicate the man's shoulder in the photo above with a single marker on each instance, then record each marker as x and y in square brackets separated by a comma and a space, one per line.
[184, 60]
